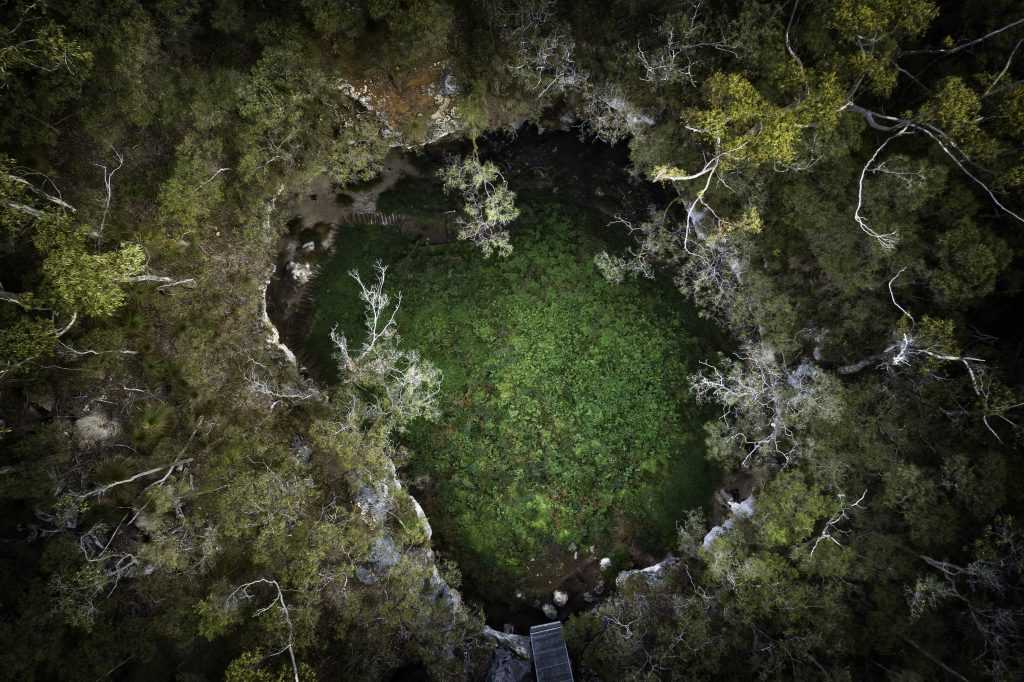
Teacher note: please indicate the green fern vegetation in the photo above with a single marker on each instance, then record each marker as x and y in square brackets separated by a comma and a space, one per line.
[566, 407]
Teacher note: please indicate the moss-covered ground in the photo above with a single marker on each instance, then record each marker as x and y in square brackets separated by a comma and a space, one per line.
[566, 411]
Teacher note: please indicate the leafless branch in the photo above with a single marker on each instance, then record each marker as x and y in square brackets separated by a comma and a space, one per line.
[262, 386]
[832, 525]
[675, 59]
[108, 178]
[789, 46]
[277, 601]
[1006, 67]
[964, 46]
[210, 179]
[901, 126]
[379, 318]
[888, 240]
[56, 200]
[80, 353]
[893, 296]
[103, 489]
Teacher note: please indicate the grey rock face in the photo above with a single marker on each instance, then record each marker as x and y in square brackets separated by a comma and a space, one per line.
[374, 503]
[651, 574]
[506, 667]
[422, 516]
[384, 554]
[449, 84]
[365, 576]
[303, 453]
[443, 591]
[517, 644]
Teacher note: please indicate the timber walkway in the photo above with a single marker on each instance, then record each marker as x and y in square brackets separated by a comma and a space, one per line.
[376, 218]
[550, 657]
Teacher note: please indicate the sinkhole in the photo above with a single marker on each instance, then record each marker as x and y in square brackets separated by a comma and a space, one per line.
[567, 431]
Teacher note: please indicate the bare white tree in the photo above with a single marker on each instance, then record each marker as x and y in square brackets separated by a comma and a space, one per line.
[405, 385]
[261, 384]
[168, 469]
[108, 180]
[610, 116]
[652, 243]
[56, 199]
[244, 592]
[705, 266]
[832, 526]
[698, 209]
[750, 389]
[765, 404]
[682, 37]
[888, 240]
[115, 565]
[909, 348]
[898, 127]
[488, 206]
[545, 49]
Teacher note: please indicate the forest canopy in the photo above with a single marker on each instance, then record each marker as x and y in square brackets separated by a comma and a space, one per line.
[797, 298]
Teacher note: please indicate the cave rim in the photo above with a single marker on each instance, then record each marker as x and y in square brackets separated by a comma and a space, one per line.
[708, 332]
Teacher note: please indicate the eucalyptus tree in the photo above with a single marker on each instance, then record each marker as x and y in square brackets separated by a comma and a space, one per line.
[488, 205]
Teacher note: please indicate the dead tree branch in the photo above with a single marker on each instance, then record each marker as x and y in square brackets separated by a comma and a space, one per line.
[108, 179]
[168, 468]
[901, 126]
[832, 525]
[279, 602]
[964, 46]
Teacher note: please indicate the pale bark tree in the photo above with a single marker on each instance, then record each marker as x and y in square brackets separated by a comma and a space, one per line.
[765, 404]
[108, 186]
[682, 37]
[910, 349]
[610, 116]
[545, 50]
[832, 527]
[244, 591]
[167, 470]
[706, 266]
[404, 385]
[488, 206]
[898, 127]
[262, 384]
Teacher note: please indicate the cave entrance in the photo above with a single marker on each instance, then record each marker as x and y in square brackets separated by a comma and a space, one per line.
[568, 434]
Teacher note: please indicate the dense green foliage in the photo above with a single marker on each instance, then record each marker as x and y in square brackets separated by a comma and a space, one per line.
[843, 182]
[566, 407]
[566, 398]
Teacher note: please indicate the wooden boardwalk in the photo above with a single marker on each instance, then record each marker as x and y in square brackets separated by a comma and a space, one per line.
[550, 657]
[376, 218]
